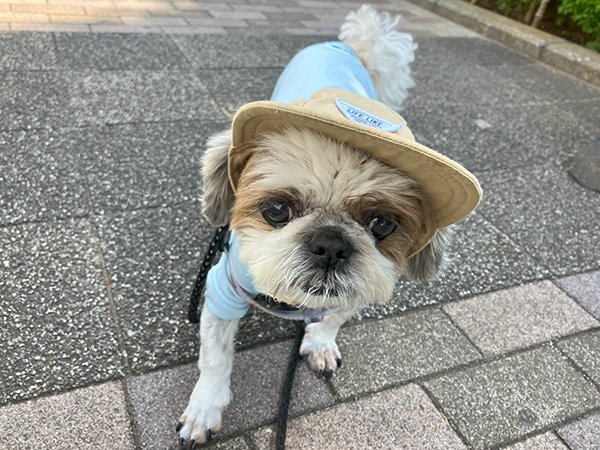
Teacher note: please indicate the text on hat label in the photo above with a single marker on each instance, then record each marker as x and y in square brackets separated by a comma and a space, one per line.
[359, 115]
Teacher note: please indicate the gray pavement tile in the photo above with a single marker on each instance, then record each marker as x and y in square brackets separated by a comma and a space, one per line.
[141, 165]
[56, 330]
[500, 137]
[586, 112]
[384, 352]
[40, 177]
[94, 417]
[584, 350]
[546, 83]
[116, 97]
[507, 320]
[242, 51]
[585, 288]
[32, 99]
[238, 443]
[159, 398]
[481, 260]
[233, 88]
[398, 418]
[27, 51]
[439, 52]
[503, 400]
[546, 213]
[546, 441]
[112, 51]
[583, 434]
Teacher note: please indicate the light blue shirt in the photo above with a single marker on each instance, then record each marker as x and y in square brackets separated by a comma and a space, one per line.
[320, 66]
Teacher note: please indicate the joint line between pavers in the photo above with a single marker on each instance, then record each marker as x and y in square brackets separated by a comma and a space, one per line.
[460, 330]
[130, 409]
[574, 364]
[554, 281]
[449, 419]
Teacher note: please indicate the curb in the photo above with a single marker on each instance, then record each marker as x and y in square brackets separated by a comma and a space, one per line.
[550, 49]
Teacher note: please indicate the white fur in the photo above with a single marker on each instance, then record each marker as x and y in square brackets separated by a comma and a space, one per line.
[385, 52]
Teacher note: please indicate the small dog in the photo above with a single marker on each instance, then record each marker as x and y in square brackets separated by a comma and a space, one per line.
[329, 200]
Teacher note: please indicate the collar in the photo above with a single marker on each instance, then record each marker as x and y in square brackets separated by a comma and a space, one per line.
[271, 306]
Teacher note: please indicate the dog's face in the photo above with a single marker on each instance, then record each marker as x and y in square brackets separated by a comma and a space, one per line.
[321, 223]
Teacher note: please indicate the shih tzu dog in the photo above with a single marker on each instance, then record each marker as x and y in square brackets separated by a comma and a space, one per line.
[329, 201]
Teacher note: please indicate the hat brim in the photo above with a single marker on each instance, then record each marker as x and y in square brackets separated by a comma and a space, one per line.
[451, 190]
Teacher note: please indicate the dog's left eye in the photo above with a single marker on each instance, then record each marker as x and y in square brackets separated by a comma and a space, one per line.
[277, 213]
[382, 227]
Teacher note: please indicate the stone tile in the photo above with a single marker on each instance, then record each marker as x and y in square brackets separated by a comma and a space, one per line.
[500, 137]
[40, 178]
[32, 99]
[380, 353]
[585, 351]
[122, 29]
[238, 14]
[399, 418]
[237, 443]
[586, 112]
[134, 166]
[233, 88]
[50, 28]
[193, 30]
[503, 400]
[55, 321]
[546, 213]
[27, 51]
[585, 288]
[229, 23]
[503, 321]
[546, 441]
[546, 83]
[94, 417]
[23, 17]
[583, 434]
[120, 97]
[118, 51]
[474, 268]
[87, 20]
[159, 398]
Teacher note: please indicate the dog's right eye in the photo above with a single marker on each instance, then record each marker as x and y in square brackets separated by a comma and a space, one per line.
[277, 213]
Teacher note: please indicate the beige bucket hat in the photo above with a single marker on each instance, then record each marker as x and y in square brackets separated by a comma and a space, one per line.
[451, 191]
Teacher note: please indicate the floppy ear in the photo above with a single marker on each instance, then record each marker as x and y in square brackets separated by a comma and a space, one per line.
[217, 198]
[426, 264]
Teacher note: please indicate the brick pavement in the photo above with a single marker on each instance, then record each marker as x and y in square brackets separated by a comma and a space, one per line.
[99, 229]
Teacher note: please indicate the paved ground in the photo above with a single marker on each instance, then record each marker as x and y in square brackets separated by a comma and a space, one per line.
[100, 237]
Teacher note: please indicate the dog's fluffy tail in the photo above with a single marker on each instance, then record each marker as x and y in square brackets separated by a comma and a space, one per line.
[386, 52]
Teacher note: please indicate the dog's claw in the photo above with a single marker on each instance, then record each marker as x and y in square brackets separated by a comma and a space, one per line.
[192, 444]
[320, 374]
[339, 362]
[328, 375]
[178, 427]
[209, 435]
[181, 442]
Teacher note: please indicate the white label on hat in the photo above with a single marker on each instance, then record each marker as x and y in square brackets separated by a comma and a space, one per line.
[356, 114]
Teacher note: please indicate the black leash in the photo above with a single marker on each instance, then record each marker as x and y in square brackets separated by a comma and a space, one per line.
[215, 245]
[286, 390]
[218, 244]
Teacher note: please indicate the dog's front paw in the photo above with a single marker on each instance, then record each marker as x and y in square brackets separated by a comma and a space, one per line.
[322, 354]
[202, 417]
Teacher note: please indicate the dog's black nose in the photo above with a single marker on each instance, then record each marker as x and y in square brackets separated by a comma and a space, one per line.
[330, 246]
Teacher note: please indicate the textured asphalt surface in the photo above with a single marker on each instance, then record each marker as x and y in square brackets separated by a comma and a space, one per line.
[101, 235]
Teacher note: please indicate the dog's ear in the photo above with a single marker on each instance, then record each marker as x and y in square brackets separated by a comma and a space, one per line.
[426, 264]
[217, 198]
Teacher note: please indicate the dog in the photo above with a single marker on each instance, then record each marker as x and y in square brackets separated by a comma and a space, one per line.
[329, 200]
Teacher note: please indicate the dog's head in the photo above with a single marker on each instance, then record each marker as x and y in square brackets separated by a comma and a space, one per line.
[320, 223]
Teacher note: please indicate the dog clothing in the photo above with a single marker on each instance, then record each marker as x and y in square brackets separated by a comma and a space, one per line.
[319, 66]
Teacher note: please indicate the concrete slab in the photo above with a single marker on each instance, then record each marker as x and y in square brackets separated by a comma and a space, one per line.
[108, 51]
[93, 418]
[159, 398]
[546, 441]
[585, 351]
[398, 418]
[233, 88]
[382, 353]
[585, 288]
[143, 165]
[27, 51]
[119, 97]
[503, 321]
[583, 434]
[586, 112]
[500, 401]
[482, 259]
[522, 202]
[55, 321]
[41, 177]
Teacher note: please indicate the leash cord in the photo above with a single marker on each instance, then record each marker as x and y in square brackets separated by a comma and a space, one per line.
[286, 390]
[215, 246]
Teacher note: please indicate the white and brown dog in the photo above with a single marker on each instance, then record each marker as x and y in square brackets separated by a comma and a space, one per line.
[329, 199]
